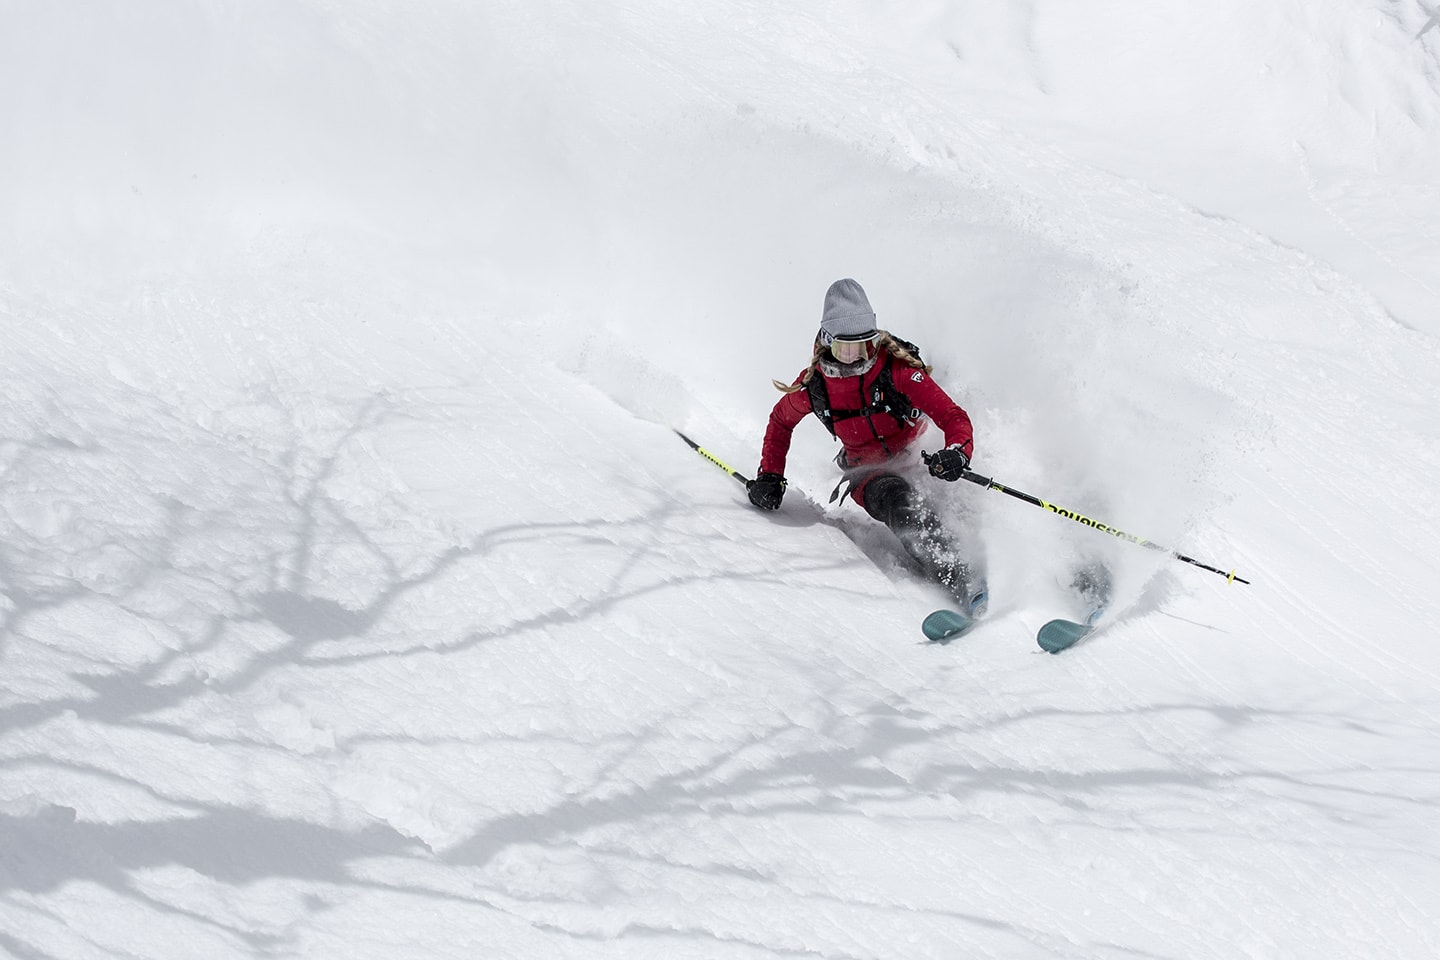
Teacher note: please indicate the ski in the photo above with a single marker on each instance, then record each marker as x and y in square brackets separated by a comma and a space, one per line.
[1093, 584]
[942, 626]
[1060, 635]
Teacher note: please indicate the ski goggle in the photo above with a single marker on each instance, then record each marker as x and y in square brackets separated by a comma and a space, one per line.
[853, 350]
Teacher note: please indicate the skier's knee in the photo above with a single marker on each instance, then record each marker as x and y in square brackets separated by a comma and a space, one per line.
[883, 495]
[892, 501]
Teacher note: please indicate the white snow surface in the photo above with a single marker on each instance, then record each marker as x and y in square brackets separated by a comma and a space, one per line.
[358, 600]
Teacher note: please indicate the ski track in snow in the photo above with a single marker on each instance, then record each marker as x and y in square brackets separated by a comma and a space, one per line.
[358, 600]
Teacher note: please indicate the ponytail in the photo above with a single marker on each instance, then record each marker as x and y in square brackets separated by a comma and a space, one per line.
[901, 352]
[805, 377]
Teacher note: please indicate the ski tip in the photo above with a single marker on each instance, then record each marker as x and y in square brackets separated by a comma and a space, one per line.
[944, 625]
[1058, 635]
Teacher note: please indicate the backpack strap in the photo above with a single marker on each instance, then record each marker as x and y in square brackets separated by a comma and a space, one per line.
[820, 401]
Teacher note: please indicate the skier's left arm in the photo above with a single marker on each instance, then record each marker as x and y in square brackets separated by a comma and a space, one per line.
[935, 403]
[951, 462]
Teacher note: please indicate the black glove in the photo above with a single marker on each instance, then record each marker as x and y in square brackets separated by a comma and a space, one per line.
[766, 490]
[948, 464]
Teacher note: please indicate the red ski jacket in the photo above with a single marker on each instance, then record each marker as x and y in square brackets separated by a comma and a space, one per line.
[868, 440]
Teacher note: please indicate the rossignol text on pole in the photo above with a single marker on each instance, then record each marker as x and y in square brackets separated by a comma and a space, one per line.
[990, 484]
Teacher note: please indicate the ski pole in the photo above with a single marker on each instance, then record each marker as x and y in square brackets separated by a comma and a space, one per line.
[1080, 518]
[714, 459]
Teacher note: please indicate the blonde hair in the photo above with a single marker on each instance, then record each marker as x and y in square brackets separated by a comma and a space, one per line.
[886, 343]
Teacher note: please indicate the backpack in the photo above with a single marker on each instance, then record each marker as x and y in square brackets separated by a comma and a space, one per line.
[885, 396]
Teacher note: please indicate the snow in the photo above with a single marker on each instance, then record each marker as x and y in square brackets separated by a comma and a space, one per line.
[358, 599]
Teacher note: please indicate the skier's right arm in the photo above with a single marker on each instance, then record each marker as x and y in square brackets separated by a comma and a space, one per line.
[789, 410]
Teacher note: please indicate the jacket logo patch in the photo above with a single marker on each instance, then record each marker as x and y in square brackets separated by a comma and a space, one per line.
[918, 375]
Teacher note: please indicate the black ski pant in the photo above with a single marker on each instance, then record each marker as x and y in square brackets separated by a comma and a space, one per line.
[894, 502]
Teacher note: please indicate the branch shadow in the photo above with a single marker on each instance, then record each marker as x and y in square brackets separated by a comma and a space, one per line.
[291, 519]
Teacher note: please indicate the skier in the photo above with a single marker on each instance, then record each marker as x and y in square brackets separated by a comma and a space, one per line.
[874, 394]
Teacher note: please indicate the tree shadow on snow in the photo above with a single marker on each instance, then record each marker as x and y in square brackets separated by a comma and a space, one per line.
[226, 543]
[239, 551]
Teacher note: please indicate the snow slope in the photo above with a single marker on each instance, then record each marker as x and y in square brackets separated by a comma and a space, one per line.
[359, 601]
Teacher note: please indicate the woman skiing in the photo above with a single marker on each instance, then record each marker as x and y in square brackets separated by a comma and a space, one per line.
[874, 394]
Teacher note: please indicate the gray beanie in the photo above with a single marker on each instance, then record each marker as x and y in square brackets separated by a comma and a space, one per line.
[847, 312]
